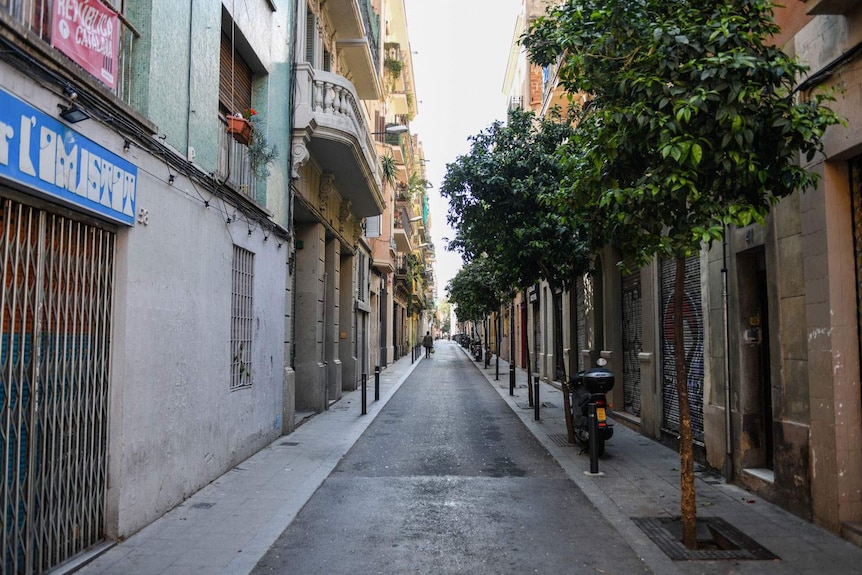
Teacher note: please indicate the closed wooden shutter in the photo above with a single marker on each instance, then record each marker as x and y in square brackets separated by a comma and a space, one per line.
[234, 90]
[310, 37]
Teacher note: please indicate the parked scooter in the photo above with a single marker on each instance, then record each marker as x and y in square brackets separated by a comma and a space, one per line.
[476, 349]
[589, 387]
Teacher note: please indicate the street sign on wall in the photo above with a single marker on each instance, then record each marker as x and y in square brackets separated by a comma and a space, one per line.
[48, 157]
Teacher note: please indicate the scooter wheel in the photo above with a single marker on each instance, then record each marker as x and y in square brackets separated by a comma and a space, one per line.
[582, 435]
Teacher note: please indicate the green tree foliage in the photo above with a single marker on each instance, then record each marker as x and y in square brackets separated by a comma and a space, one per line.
[692, 124]
[445, 313]
[496, 195]
[497, 206]
[476, 290]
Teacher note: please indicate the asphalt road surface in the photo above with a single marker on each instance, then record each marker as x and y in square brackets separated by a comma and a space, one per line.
[447, 480]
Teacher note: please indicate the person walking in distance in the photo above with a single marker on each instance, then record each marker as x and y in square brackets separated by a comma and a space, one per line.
[428, 343]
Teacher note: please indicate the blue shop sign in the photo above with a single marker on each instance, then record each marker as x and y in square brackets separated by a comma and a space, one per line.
[42, 153]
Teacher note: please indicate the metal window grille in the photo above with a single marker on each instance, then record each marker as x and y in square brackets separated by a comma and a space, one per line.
[242, 320]
[55, 307]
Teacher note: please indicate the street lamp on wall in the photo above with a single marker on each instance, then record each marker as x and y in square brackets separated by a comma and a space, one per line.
[394, 129]
[71, 112]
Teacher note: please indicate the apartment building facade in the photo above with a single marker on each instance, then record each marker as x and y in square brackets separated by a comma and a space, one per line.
[771, 314]
[145, 261]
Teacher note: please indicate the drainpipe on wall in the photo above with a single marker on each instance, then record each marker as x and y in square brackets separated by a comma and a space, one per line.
[728, 434]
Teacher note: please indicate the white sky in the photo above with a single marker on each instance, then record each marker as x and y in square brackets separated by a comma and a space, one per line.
[460, 50]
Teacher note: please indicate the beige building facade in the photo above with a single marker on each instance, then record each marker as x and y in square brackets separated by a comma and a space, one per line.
[772, 315]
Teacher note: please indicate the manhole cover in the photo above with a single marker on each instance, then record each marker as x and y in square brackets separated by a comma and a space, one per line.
[717, 540]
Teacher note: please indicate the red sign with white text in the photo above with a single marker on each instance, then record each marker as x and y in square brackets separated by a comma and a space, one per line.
[89, 33]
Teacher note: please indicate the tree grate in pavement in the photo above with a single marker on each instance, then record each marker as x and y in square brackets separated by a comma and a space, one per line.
[561, 439]
[545, 404]
[717, 540]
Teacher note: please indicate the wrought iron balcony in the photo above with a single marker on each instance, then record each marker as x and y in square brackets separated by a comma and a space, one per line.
[36, 17]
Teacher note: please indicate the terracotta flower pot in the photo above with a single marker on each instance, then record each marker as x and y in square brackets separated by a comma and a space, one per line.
[239, 128]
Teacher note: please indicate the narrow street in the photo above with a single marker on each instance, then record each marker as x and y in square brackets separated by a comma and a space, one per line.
[448, 480]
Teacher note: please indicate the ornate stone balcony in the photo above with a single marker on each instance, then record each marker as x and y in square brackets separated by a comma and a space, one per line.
[329, 126]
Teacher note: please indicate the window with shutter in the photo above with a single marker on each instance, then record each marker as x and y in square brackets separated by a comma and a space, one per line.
[310, 37]
[235, 79]
[372, 226]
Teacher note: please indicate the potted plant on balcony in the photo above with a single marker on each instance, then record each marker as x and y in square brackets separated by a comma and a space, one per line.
[393, 69]
[247, 128]
[388, 168]
[240, 127]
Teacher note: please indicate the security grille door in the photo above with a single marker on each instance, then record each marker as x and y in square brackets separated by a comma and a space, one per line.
[632, 340]
[56, 310]
[693, 326]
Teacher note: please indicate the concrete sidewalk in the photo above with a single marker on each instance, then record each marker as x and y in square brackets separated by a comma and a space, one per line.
[639, 478]
[226, 527]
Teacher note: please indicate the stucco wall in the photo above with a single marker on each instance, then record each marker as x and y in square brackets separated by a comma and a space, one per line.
[175, 423]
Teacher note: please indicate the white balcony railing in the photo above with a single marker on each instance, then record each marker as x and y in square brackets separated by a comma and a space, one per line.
[329, 115]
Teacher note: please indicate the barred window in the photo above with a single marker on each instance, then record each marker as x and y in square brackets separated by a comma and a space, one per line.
[241, 318]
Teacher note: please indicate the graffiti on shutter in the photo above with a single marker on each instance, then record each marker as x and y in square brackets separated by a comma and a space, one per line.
[693, 327]
[632, 339]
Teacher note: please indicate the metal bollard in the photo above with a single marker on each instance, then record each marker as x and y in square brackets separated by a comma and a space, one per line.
[364, 393]
[512, 378]
[377, 383]
[497, 368]
[537, 403]
[594, 440]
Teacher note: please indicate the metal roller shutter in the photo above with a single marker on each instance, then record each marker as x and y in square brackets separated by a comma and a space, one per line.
[632, 340]
[693, 325]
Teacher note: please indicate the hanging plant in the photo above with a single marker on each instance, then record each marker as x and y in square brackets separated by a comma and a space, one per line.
[388, 168]
[393, 69]
[260, 153]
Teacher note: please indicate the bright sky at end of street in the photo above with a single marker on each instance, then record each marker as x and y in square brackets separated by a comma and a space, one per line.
[460, 51]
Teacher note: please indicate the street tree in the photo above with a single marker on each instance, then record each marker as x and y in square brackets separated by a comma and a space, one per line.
[477, 289]
[496, 208]
[692, 124]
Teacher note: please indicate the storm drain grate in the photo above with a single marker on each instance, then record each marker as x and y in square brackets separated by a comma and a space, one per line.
[717, 539]
[561, 439]
[202, 505]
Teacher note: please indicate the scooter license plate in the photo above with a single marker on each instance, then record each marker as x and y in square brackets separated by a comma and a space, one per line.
[600, 414]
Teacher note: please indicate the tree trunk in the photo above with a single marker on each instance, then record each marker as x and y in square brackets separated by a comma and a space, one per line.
[688, 508]
[559, 363]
